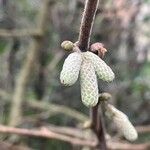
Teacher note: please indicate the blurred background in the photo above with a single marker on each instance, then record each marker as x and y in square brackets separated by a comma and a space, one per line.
[31, 59]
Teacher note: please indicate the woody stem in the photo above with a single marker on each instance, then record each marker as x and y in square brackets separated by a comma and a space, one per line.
[83, 43]
[87, 24]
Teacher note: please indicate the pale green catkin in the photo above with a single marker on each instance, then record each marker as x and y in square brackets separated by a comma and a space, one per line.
[89, 85]
[103, 71]
[71, 68]
[89, 65]
[122, 123]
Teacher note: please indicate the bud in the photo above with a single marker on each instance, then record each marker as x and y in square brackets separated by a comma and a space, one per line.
[99, 49]
[67, 45]
[122, 123]
[104, 96]
[89, 85]
[71, 68]
[103, 71]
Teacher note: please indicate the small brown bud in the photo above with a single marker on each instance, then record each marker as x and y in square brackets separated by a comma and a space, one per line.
[67, 45]
[99, 49]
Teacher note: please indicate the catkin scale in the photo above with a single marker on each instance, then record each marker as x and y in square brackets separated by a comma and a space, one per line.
[71, 68]
[89, 85]
[103, 71]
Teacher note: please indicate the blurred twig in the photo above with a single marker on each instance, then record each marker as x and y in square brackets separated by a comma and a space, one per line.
[21, 83]
[69, 131]
[52, 133]
[26, 71]
[45, 133]
[52, 108]
[58, 109]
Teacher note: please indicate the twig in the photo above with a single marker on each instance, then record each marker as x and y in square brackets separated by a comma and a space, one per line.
[87, 24]
[74, 132]
[45, 133]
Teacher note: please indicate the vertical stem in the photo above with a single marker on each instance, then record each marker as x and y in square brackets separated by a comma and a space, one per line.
[87, 24]
[98, 126]
[83, 43]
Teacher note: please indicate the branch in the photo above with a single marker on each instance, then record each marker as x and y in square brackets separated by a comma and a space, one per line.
[45, 133]
[87, 24]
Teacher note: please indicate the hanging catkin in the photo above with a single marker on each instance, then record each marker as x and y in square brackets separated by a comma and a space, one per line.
[122, 123]
[71, 68]
[103, 71]
[88, 64]
[89, 85]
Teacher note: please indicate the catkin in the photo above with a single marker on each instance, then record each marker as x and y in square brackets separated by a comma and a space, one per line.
[103, 71]
[89, 85]
[71, 68]
[122, 123]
